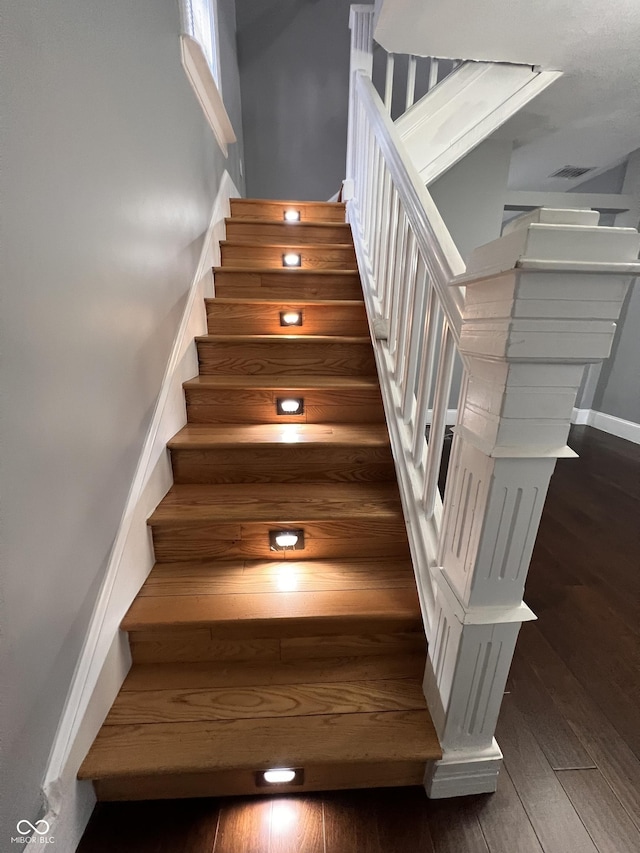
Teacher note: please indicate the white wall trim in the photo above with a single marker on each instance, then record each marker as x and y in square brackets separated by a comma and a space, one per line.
[105, 659]
[628, 430]
[197, 70]
[527, 199]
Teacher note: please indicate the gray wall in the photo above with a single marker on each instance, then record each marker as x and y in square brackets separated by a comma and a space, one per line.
[618, 390]
[294, 72]
[470, 196]
[109, 179]
[614, 386]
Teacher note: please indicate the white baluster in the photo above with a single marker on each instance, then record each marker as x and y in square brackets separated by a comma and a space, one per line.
[433, 73]
[411, 83]
[438, 419]
[399, 287]
[388, 82]
[382, 244]
[392, 254]
[406, 314]
[418, 308]
[425, 376]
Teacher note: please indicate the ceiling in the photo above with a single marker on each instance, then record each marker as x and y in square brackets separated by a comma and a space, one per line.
[589, 117]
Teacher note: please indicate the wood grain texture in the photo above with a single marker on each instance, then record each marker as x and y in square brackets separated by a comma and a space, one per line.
[310, 211]
[238, 703]
[377, 822]
[244, 819]
[399, 643]
[240, 399]
[256, 230]
[554, 819]
[188, 826]
[169, 647]
[231, 521]
[265, 283]
[266, 576]
[503, 820]
[260, 502]
[454, 827]
[614, 758]
[297, 825]
[328, 256]
[561, 746]
[228, 783]
[273, 453]
[604, 484]
[196, 676]
[280, 614]
[244, 657]
[260, 743]
[261, 317]
[600, 810]
[280, 355]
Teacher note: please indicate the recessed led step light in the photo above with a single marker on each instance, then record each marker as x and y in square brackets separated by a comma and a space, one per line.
[280, 776]
[290, 405]
[292, 259]
[286, 540]
[291, 318]
[292, 216]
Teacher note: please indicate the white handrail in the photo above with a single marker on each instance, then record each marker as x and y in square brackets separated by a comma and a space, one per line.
[434, 242]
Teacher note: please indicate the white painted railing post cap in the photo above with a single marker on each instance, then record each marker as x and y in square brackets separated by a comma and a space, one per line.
[546, 243]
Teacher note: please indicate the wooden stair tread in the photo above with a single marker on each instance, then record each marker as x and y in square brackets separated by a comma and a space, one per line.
[292, 271]
[302, 339]
[286, 247]
[164, 748]
[288, 201]
[257, 220]
[199, 675]
[205, 436]
[279, 610]
[263, 576]
[265, 700]
[281, 381]
[270, 502]
[283, 303]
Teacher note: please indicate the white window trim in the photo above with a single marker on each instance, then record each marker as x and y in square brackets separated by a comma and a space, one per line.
[197, 70]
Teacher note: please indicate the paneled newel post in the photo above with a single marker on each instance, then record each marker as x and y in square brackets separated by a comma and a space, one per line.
[541, 302]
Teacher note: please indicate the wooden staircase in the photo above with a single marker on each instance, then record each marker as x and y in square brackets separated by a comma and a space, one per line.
[247, 658]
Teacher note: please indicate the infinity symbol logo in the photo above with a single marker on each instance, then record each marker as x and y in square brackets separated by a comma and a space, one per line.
[22, 823]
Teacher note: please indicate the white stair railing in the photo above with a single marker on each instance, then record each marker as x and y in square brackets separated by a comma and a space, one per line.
[410, 80]
[533, 308]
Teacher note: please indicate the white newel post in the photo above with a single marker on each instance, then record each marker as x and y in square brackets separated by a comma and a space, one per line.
[361, 26]
[540, 303]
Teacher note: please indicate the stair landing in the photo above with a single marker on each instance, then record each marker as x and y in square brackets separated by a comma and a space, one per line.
[248, 657]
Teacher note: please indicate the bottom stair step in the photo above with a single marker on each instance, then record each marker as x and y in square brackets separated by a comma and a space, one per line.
[250, 745]
[206, 731]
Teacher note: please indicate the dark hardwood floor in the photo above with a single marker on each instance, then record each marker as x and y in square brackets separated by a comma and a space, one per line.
[569, 728]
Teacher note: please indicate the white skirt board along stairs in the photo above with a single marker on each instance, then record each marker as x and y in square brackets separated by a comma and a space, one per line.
[319, 606]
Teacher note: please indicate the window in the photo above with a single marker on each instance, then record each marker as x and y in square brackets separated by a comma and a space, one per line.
[199, 22]
[200, 60]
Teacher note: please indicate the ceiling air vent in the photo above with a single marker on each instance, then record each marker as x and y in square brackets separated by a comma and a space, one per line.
[572, 171]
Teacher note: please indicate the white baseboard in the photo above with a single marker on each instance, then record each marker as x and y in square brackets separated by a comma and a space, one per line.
[628, 430]
[105, 658]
